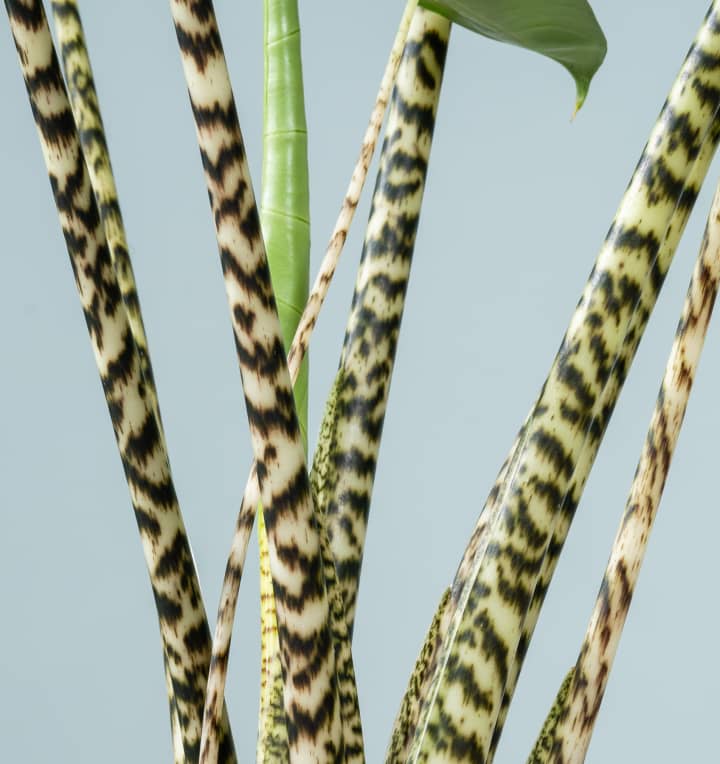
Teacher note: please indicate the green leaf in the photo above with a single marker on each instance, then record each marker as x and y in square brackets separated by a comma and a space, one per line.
[564, 30]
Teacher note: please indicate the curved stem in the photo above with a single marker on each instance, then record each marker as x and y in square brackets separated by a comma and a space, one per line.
[183, 624]
[572, 735]
[498, 593]
[246, 515]
[378, 302]
[311, 699]
[86, 111]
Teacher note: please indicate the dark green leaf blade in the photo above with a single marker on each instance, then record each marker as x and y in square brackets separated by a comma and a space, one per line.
[564, 30]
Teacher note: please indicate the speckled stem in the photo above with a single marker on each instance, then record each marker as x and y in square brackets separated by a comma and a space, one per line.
[373, 327]
[322, 468]
[704, 157]
[497, 593]
[86, 111]
[246, 515]
[542, 750]
[312, 705]
[183, 624]
[419, 684]
[572, 735]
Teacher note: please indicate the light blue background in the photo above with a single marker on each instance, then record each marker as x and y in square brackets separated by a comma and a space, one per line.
[518, 202]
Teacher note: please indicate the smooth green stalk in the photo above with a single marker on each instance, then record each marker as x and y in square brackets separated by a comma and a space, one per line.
[285, 200]
[285, 219]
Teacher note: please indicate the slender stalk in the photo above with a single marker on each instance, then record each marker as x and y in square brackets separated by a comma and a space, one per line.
[246, 515]
[224, 625]
[285, 219]
[372, 332]
[86, 112]
[495, 593]
[352, 197]
[183, 624]
[677, 222]
[311, 699]
[572, 735]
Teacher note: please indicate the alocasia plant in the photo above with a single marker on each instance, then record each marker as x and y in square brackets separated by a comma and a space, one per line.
[445, 281]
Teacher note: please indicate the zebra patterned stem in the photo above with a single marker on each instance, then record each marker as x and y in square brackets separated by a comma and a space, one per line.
[414, 707]
[572, 734]
[183, 624]
[301, 340]
[236, 559]
[677, 223]
[311, 691]
[494, 595]
[86, 111]
[371, 337]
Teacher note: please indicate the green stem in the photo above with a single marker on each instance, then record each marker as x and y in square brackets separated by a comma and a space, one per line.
[285, 219]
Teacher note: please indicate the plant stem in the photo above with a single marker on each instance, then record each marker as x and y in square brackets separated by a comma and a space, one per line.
[338, 237]
[246, 514]
[373, 327]
[285, 219]
[676, 224]
[572, 736]
[86, 112]
[497, 595]
[183, 624]
[311, 699]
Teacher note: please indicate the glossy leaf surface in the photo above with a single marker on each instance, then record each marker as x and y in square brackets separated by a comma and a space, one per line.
[564, 30]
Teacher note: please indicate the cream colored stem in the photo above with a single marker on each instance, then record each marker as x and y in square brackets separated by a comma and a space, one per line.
[603, 634]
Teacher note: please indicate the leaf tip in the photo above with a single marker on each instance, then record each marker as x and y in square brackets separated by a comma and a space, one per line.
[582, 85]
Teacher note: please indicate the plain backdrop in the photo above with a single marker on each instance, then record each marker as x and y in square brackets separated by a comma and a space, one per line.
[518, 201]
